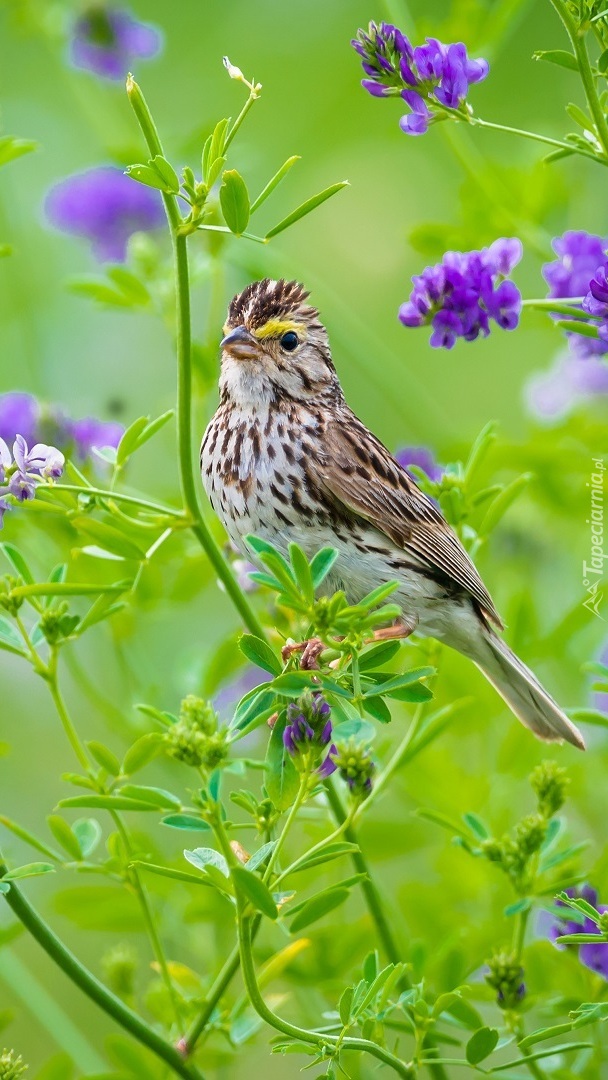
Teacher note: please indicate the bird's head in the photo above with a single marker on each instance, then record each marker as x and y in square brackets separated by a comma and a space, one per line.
[275, 347]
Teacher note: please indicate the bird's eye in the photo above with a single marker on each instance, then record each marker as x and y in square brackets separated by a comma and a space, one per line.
[289, 341]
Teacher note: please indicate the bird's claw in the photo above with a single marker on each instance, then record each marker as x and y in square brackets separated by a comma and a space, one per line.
[402, 628]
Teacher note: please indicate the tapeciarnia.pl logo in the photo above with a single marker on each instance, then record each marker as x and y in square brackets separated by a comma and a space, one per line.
[593, 566]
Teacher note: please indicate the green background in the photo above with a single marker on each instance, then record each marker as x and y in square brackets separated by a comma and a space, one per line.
[408, 200]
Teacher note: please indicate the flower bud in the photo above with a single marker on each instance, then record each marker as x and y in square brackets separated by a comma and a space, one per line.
[355, 766]
[550, 781]
[11, 1066]
[506, 976]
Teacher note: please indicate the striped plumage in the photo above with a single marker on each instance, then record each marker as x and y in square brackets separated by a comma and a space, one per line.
[285, 458]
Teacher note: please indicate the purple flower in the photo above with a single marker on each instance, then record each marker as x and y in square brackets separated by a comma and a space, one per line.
[580, 270]
[106, 207]
[307, 734]
[106, 41]
[593, 954]
[91, 434]
[22, 470]
[432, 74]
[579, 255]
[422, 457]
[572, 380]
[18, 413]
[460, 295]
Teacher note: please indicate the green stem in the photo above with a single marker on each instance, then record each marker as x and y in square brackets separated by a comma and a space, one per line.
[558, 144]
[184, 377]
[253, 96]
[371, 893]
[286, 828]
[117, 496]
[393, 763]
[577, 38]
[151, 929]
[64, 716]
[216, 993]
[90, 985]
[323, 1042]
[561, 306]
[335, 835]
[519, 937]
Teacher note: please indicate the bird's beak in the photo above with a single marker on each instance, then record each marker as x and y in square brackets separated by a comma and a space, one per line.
[240, 344]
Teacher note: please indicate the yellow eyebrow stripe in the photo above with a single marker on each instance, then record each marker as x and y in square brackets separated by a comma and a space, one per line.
[276, 327]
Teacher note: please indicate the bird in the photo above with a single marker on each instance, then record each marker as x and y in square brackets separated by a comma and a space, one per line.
[284, 458]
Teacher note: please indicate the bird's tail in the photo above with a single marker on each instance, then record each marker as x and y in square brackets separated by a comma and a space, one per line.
[523, 693]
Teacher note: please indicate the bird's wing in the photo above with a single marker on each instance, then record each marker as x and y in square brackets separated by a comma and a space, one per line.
[358, 472]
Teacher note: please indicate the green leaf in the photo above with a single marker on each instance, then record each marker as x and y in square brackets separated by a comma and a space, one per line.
[256, 891]
[185, 821]
[146, 174]
[64, 836]
[344, 1005]
[322, 563]
[67, 588]
[499, 506]
[109, 538]
[359, 729]
[129, 439]
[10, 639]
[327, 854]
[17, 561]
[12, 148]
[106, 802]
[282, 777]
[234, 200]
[104, 757]
[580, 117]
[377, 707]
[577, 326]
[481, 1044]
[476, 825]
[442, 819]
[318, 906]
[130, 286]
[88, 833]
[274, 182]
[302, 572]
[178, 875]
[33, 869]
[208, 858]
[378, 654]
[399, 682]
[166, 172]
[156, 796]
[141, 752]
[29, 838]
[260, 653]
[557, 56]
[213, 149]
[305, 208]
[602, 63]
[260, 855]
[292, 683]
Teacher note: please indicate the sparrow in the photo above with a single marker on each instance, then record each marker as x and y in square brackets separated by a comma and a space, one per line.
[284, 458]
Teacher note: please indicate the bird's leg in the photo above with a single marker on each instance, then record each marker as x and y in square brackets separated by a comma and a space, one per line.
[310, 651]
[401, 628]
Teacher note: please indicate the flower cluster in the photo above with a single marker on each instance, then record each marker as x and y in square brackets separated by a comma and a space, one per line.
[106, 207]
[106, 41]
[580, 271]
[460, 295]
[24, 469]
[307, 735]
[195, 738]
[506, 975]
[550, 783]
[593, 954]
[430, 78]
[11, 1065]
[24, 414]
[355, 767]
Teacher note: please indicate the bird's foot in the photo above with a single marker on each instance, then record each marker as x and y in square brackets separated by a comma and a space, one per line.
[401, 628]
[310, 651]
